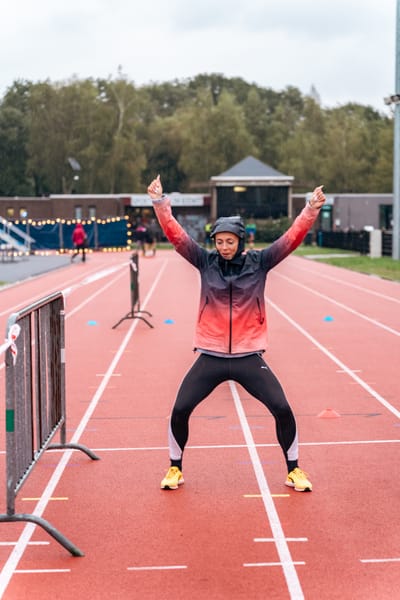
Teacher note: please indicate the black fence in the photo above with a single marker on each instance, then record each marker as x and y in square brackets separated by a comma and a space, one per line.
[387, 241]
[356, 241]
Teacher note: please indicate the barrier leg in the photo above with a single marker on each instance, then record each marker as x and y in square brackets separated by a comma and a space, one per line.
[61, 539]
[72, 446]
[133, 314]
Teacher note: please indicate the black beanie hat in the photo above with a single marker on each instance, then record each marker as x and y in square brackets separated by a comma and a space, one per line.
[229, 225]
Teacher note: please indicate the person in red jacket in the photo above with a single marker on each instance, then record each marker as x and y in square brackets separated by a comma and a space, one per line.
[231, 329]
[79, 241]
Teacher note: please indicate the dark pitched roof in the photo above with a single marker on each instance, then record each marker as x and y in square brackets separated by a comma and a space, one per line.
[251, 167]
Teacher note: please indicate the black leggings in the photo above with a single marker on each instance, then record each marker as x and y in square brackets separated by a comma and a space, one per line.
[255, 376]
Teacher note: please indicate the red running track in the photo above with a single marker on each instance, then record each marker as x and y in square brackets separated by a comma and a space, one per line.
[233, 530]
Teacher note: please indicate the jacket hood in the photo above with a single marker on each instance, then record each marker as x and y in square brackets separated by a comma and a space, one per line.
[230, 225]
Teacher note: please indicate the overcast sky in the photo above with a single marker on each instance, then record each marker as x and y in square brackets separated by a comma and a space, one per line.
[344, 48]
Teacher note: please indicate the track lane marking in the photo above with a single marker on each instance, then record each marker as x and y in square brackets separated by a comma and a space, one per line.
[277, 564]
[341, 305]
[338, 362]
[260, 495]
[288, 539]
[379, 560]
[29, 544]
[94, 295]
[349, 284]
[157, 568]
[36, 571]
[28, 301]
[67, 291]
[9, 568]
[227, 446]
[233, 446]
[287, 563]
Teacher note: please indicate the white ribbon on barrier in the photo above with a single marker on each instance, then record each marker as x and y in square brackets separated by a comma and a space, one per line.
[13, 333]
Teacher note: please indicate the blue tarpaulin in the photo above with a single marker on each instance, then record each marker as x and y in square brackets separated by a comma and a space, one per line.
[58, 235]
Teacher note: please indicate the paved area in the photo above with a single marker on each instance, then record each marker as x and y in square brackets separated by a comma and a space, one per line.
[20, 269]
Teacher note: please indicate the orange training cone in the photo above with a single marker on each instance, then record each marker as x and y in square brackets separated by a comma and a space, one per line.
[328, 413]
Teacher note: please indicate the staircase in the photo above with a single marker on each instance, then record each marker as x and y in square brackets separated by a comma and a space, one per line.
[13, 241]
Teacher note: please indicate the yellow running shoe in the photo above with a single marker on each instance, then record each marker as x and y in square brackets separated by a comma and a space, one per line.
[173, 478]
[298, 480]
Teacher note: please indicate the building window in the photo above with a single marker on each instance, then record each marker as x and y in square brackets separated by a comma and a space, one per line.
[23, 213]
[92, 212]
[10, 213]
[78, 213]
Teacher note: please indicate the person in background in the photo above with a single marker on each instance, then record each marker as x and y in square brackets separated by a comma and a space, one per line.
[231, 329]
[79, 239]
[251, 229]
[140, 237]
[207, 231]
[152, 233]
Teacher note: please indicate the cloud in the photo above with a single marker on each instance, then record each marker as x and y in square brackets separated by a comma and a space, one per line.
[344, 48]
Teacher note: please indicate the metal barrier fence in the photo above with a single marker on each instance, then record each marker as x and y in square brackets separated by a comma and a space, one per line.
[135, 312]
[35, 399]
[357, 241]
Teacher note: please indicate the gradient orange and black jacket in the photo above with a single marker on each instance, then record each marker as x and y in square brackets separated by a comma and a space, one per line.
[231, 317]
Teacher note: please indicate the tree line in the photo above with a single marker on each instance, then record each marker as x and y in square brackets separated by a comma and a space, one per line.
[121, 135]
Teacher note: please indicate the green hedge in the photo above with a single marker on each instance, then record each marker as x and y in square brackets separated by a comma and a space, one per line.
[269, 230]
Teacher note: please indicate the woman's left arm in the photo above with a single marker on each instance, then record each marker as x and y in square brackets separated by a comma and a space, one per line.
[179, 238]
[292, 238]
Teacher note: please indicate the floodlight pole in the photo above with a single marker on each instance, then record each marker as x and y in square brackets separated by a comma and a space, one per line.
[396, 149]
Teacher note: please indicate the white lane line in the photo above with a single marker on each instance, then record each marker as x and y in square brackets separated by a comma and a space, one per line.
[227, 446]
[338, 362]
[379, 560]
[89, 298]
[70, 313]
[277, 564]
[28, 301]
[233, 446]
[30, 543]
[341, 305]
[92, 278]
[33, 571]
[287, 562]
[103, 273]
[157, 568]
[10, 565]
[353, 285]
[288, 539]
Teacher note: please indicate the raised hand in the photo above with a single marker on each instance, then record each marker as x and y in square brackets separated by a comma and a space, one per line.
[155, 189]
[318, 198]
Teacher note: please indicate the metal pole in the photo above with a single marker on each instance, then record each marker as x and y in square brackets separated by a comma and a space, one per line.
[396, 149]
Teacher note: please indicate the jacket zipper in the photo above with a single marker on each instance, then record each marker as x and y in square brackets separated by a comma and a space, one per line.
[203, 309]
[230, 317]
[260, 317]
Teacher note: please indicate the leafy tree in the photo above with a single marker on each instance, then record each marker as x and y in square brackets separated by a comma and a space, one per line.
[303, 153]
[381, 176]
[350, 140]
[126, 159]
[188, 130]
[163, 151]
[214, 137]
[14, 131]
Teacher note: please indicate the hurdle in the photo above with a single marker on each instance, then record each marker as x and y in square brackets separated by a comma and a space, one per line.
[135, 312]
[35, 399]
